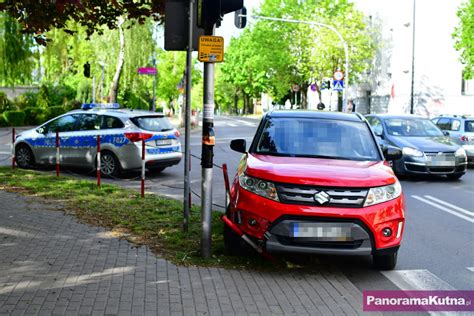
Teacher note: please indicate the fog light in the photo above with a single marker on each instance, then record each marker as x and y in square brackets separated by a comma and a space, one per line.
[252, 222]
[387, 232]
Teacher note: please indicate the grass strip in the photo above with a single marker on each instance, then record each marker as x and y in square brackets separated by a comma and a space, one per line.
[153, 221]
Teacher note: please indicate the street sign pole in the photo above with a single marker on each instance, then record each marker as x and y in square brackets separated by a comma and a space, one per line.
[208, 142]
[187, 122]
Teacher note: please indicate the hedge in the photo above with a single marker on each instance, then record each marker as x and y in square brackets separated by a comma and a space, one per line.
[3, 123]
[32, 115]
[14, 118]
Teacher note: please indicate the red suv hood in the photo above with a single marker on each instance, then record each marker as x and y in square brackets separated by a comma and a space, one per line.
[320, 172]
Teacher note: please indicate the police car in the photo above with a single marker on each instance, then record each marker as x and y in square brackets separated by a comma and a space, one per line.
[121, 134]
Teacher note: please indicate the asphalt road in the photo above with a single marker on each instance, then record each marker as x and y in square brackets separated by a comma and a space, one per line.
[438, 247]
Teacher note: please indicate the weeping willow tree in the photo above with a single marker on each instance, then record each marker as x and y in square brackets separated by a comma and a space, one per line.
[17, 53]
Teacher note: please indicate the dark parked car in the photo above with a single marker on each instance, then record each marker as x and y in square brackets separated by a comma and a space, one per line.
[426, 150]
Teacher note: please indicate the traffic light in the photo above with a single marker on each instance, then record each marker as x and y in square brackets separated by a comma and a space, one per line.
[87, 70]
[211, 12]
[240, 18]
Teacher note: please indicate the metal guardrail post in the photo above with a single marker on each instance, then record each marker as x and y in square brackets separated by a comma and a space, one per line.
[98, 161]
[143, 169]
[57, 153]
[13, 148]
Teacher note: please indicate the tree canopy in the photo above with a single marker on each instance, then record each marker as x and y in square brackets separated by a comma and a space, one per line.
[40, 16]
[464, 36]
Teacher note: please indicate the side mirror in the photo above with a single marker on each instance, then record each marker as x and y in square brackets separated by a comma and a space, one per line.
[379, 133]
[41, 130]
[239, 145]
[392, 153]
[446, 133]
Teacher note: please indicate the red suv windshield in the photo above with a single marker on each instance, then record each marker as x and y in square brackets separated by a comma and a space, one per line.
[317, 138]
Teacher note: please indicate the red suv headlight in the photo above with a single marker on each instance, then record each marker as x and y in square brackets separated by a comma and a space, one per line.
[383, 194]
[258, 186]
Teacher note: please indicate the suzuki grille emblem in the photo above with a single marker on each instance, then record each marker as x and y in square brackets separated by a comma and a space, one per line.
[321, 197]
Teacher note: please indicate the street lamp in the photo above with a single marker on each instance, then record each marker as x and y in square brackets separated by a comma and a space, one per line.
[412, 107]
[332, 28]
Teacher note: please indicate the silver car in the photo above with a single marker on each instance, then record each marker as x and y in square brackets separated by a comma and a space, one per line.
[121, 132]
[460, 127]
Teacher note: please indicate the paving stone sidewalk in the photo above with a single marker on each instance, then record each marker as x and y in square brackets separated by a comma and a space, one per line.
[50, 264]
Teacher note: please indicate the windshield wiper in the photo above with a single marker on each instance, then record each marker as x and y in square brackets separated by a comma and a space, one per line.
[166, 129]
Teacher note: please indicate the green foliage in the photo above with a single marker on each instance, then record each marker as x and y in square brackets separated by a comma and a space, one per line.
[14, 118]
[5, 103]
[464, 37]
[273, 55]
[3, 123]
[16, 53]
[43, 101]
[32, 115]
[53, 111]
[26, 100]
[131, 100]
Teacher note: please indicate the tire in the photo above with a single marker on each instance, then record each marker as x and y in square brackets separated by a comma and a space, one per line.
[385, 262]
[109, 164]
[24, 157]
[454, 176]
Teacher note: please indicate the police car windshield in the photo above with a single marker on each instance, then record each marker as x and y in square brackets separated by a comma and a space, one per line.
[152, 123]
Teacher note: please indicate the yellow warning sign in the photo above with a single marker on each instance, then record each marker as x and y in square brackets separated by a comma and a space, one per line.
[211, 49]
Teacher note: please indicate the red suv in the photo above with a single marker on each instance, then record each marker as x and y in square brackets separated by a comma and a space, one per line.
[316, 183]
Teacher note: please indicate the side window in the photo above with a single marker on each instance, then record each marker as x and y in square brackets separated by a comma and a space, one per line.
[109, 122]
[376, 125]
[87, 122]
[62, 124]
[444, 123]
[455, 125]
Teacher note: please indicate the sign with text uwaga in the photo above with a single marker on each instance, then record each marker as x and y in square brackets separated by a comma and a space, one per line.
[211, 49]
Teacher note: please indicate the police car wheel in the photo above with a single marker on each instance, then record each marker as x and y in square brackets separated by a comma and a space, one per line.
[24, 157]
[109, 164]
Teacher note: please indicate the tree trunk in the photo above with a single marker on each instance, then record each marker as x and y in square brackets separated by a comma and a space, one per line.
[236, 103]
[304, 96]
[121, 59]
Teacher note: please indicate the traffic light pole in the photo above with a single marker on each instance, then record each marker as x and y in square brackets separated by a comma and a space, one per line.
[187, 122]
[207, 155]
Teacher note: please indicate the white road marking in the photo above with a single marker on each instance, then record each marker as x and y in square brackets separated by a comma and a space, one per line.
[470, 268]
[450, 205]
[242, 122]
[416, 280]
[471, 220]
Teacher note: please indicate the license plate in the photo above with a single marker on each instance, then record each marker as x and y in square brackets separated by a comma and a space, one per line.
[321, 231]
[163, 142]
[439, 161]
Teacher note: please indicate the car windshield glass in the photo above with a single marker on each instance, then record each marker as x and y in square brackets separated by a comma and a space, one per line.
[317, 138]
[469, 126]
[412, 127]
[153, 123]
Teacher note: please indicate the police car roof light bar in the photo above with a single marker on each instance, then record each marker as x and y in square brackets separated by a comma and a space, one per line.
[88, 106]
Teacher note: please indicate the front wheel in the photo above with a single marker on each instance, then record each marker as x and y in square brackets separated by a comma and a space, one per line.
[109, 164]
[385, 262]
[24, 157]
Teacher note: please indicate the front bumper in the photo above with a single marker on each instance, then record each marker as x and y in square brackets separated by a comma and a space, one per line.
[419, 165]
[321, 237]
[272, 224]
